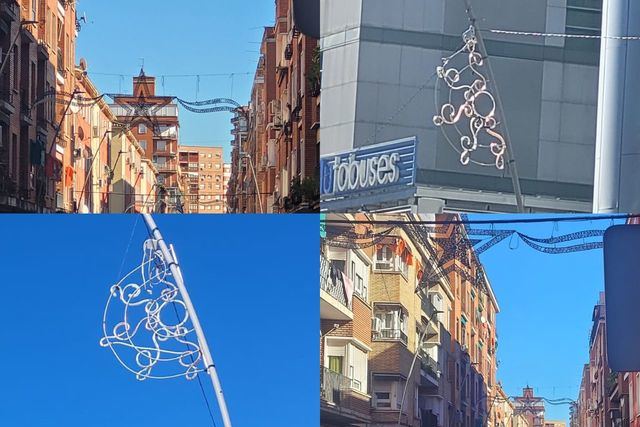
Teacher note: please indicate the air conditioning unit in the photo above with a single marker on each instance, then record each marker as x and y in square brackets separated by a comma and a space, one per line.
[277, 121]
[376, 325]
[275, 106]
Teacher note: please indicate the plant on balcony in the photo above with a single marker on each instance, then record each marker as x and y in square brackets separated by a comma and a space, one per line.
[314, 76]
[305, 191]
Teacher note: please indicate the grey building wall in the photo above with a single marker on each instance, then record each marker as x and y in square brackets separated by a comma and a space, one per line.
[378, 85]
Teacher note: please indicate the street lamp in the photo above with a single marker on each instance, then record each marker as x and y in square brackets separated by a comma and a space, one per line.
[255, 177]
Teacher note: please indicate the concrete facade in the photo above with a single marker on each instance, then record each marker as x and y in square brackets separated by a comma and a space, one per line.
[202, 169]
[378, 85]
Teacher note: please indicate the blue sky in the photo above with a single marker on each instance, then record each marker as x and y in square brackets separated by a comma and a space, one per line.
[188, 37]
[253, 281]
[547, 303]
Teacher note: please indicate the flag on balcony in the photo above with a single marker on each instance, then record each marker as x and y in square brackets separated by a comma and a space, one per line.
[348, 288]
[68, 176]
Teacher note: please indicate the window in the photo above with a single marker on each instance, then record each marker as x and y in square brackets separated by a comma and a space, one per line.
[142, 129]
[335, 364]
[361, 288]
[384, 258]
[584, 17]
[387, 393]
[143, 144]
[392, 323]
[161, 145]
[383, 399]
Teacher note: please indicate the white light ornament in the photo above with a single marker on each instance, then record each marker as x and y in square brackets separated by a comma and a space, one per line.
[470, 105]
[147, 325]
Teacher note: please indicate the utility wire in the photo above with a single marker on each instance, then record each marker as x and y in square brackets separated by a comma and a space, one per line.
[561, 35]
[534, 220]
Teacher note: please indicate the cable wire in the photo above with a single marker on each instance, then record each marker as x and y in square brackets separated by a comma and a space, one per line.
[566, 218]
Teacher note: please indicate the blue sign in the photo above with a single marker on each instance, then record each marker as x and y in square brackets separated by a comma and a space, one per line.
[374, 167]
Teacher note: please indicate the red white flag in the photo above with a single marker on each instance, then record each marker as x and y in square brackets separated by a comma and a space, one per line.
[348, 288]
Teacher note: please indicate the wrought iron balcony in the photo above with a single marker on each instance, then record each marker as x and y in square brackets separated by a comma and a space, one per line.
[428, 308]
[331, 281]
[429, 365]
[337, 389]
[390, 335]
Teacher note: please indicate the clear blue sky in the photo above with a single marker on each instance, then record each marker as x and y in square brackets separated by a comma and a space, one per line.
[186, 37]
[252, 279]
[546, 305]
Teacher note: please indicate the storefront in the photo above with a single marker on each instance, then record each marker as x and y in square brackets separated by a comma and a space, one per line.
[371, 178]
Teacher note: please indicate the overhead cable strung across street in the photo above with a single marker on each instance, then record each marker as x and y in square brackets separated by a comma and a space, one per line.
[562, 35]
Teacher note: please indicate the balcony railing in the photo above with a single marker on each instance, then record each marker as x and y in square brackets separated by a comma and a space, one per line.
[331, 281]
[390, 334]
[429, 365]
[336, 389]
[429, 309]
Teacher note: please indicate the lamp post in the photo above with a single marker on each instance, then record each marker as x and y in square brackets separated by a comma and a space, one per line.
[172, 262]
[255, 178]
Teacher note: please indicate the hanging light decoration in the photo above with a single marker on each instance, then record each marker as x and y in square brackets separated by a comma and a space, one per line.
[143, 337]
[470, 104]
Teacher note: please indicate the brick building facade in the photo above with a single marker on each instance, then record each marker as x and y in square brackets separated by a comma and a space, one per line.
[447, 328]
[36, 133]
[276, 168]
[202, 169]
[153, 121]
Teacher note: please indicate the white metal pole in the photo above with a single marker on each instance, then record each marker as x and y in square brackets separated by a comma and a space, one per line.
[202, 341]
[617, 144]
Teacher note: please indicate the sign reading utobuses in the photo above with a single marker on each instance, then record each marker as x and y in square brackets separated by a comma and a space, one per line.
[370, 168]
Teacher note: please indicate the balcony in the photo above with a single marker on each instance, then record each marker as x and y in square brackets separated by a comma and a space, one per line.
[390, 335]
[428, 308]
[6, 102]
[429, 371]
[333, 297]
[166, 167]
[9, 10]
[340, 404]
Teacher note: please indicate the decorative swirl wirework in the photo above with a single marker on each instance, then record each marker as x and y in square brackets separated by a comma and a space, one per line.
[136, 323]
[471, 105]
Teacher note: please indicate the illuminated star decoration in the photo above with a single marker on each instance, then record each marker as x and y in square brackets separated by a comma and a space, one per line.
[137, 323]
[471, 105]
[139, 110]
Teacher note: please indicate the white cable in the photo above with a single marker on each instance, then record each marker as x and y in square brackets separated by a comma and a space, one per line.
[562, 35]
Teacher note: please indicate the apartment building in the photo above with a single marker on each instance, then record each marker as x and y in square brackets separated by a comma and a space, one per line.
[606, 398]
[37, 40]
[226, 178]
[153, 120]
[296, 115]
[133, 176]
[531, 407]
[505, 411]
[431, 350]
[275, 169]
[202, 168]
[237, 197]
[345, 337]
[93, 131]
